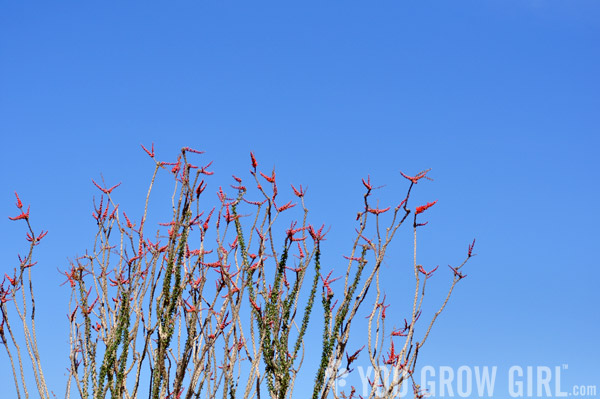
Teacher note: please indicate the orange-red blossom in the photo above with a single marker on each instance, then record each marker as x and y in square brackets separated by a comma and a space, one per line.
[23, 215]
[423, 208]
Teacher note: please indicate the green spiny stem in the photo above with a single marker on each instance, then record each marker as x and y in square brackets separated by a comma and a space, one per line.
[327, 346]
[240, 236]
[246, 265]
[341, 316]
[330, 339]
[120, 385]
[112, 347]
[84, 308]
[272, 308]
[169, 301]
[166, 317]
[309, 304]
[272, 348]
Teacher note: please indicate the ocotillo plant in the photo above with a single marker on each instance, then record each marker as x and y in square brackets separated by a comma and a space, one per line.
[217, 301]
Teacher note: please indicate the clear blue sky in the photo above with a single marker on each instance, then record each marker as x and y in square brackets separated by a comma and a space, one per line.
[499, 97]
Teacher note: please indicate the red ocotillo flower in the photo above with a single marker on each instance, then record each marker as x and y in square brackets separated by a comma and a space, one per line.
[470, 252]
[317, 235]
[150, 153]
[383, 307]
[457, 273]
[299, 193]
[400, 333]
[354, 356]
[254, 305]
[188, 149]
[427, 273]
[37, 239]
[293, 230]
[418, 176]
[285, 207]
[200, 188]
[13, 281]
[23, 215]
[22, 261]
[301, 256]
[205, 225]
[129, 224]
[189, 308]
[392, 356]
[367, 183]
[353, 258]
[270, 179]
[327, 283]
[423, 208]
[19, 203]
[254, 202]
[3, 299]
[206, 172]
[106, 191]
[378, 211]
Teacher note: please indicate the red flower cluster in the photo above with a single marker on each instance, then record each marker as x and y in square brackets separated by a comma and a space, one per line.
[23, 215]
[417, 177]
[423, 208]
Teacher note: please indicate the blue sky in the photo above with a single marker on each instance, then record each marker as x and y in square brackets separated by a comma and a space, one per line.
[499, 98]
